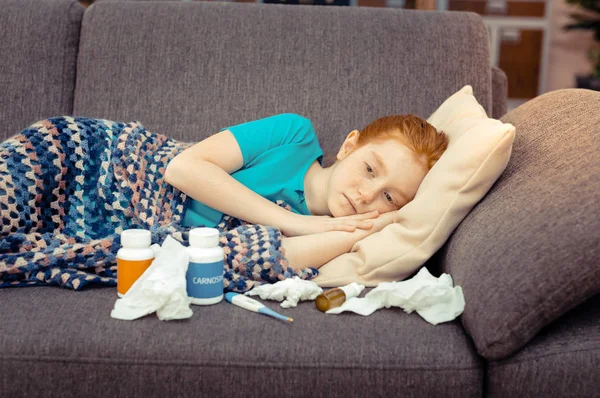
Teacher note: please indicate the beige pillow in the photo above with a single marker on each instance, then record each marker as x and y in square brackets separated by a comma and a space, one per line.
[478, 151]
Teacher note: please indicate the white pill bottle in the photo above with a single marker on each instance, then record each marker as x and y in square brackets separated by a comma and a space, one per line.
[133, 258]
[205, 271]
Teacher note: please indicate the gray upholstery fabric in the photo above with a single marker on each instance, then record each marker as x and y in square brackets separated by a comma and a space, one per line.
[563, 360]
[187, 69]
[65, 341]
[499, 93]
[530, 250]
[38, 43]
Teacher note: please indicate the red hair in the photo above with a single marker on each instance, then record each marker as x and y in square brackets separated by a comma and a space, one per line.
[416, 133]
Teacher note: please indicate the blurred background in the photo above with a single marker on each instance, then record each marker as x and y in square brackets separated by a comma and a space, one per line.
[541, 45]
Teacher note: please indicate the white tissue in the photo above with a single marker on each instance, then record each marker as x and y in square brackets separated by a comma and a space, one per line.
[161, 288]
[435, 299]
[293, 289]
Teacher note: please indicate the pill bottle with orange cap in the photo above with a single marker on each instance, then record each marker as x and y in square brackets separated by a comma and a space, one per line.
[133, 258]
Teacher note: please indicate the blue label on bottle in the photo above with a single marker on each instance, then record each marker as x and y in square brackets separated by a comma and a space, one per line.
[205, 280]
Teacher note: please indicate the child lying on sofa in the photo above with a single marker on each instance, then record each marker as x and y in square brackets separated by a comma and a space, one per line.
[242, 170]
[70, 185]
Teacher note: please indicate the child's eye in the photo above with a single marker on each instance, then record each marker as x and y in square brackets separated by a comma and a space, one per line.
[369, 169]
[388, 197]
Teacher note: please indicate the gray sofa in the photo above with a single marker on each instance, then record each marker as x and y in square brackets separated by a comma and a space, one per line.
[186, 69]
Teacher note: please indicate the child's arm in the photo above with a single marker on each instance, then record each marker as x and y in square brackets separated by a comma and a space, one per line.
[203, 173]
[318, 249]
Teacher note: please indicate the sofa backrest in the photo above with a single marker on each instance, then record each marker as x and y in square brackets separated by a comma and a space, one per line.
[38, 46]
[188, 69]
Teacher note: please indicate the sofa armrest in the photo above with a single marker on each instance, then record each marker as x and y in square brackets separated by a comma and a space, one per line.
[499, 92]
[528, 252]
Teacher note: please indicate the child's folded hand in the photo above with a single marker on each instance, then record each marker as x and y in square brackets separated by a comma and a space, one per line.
[383, 220]
[379, 223]
[308, 225]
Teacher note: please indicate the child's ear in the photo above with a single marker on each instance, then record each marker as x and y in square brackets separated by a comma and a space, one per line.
[348, 145]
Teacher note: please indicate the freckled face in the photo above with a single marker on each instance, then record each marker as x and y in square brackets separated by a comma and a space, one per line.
[381, 176]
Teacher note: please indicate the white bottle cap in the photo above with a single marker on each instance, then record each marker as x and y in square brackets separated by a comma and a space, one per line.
[352, 290]
[204, 237]
[136, 238]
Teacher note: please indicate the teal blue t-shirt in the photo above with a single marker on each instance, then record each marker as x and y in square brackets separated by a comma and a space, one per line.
[277, 152]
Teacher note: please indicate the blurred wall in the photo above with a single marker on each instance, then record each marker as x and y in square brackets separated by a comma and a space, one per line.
[568, 50]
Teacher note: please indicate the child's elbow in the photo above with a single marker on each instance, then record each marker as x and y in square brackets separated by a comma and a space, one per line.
[171, 172]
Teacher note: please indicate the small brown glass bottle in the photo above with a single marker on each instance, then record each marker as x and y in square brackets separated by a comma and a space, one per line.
[335, 297]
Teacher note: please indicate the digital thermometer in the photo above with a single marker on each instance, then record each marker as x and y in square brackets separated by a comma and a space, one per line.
[252, 305]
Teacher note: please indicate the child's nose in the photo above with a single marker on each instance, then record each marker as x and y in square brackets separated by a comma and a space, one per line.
[368, 193]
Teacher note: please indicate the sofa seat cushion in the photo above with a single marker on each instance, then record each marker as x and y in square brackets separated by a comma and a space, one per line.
[561, 361]
[68, 345]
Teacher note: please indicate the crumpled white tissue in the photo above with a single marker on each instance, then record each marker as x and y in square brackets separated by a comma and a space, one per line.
[161, 288]
[435, 299]
[293, 289]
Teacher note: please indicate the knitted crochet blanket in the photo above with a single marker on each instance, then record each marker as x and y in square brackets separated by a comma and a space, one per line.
[70, 185]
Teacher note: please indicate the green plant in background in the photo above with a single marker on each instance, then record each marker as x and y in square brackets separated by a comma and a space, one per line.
[589, 20]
